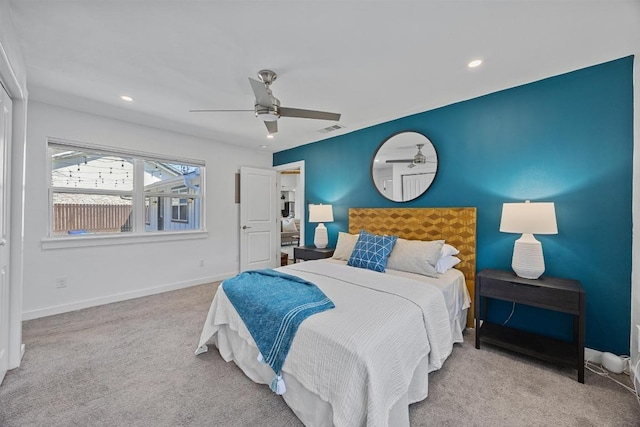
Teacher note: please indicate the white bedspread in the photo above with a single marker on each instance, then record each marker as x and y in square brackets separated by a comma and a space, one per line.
[361, 356]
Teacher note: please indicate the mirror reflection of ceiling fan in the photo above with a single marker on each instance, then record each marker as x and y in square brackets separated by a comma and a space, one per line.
[418, 159]
[267, 107]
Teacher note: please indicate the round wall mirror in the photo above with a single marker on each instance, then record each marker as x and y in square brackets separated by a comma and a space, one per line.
[404, 166]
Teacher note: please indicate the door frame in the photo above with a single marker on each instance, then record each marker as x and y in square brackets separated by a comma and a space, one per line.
[13, 76]
[303, 208]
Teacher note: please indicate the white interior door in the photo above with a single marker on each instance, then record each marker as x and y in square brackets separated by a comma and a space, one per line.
[413, 186]
[5, 141]
[258, 219]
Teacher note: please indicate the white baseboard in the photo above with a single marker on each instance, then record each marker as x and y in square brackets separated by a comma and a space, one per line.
[65, 308]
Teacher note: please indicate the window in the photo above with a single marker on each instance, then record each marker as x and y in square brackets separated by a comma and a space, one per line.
[100, 191]
[179, 206]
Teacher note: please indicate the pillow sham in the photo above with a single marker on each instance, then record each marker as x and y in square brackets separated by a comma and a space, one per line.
[289, 224]
[416, 256]
[447, 263]
[371, 251]
[448, 250]
[344, 246]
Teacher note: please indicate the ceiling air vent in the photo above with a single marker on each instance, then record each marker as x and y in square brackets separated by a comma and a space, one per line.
[331, 128]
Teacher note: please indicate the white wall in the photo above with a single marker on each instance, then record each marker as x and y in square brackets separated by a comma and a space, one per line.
[108, 273]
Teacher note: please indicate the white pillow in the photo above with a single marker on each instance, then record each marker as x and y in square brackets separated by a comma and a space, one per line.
[289, 224]
[448, 250]
[447, 263]
[344, 246]
[415, 256]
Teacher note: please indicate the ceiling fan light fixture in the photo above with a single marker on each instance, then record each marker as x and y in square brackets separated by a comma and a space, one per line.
[419, 159]
[267, 114]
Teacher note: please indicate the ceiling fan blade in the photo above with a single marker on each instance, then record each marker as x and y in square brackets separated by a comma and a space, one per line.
[411, 165]
[272, 127]
[260, 90]
[217, 111]
[400, 161]
[308, 114]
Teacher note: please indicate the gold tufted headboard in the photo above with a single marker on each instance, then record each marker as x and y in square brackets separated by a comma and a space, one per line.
[456, 226]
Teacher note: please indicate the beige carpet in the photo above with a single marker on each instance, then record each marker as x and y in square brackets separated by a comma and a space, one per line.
[132, 364]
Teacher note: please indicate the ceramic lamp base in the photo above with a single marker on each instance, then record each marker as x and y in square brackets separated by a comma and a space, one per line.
[528, 261]
[321, 239]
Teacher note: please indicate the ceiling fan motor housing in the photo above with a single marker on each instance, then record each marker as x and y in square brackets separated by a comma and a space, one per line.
[268, 114]
[419, 158]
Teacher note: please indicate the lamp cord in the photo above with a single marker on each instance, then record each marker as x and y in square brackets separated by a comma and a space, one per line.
[513, 308]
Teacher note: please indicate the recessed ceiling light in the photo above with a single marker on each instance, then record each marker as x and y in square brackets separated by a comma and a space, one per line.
[270, 136]
[474, 63]
[264, 146]
[377, 160]
[126, 98]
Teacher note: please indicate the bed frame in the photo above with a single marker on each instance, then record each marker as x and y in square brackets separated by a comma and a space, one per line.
[456, 226]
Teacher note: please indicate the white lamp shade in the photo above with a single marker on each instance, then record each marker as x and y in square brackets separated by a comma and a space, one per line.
[529, 218]
[320, 213]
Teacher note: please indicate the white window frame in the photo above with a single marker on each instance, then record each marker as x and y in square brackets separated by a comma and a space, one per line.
[138, 233]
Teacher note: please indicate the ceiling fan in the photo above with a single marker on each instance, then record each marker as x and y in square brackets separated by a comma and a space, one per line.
[418, 159]
[267, 107]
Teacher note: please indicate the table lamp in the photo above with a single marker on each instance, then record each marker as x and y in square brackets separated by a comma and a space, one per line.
[529, 219]
[320, 214]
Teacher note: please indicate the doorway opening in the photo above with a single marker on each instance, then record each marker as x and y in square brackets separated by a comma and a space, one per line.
[292, 208]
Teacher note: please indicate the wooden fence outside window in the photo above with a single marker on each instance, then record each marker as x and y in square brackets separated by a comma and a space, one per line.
[79, 218]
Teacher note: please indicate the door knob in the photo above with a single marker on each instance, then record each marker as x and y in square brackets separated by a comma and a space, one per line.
[244, 227]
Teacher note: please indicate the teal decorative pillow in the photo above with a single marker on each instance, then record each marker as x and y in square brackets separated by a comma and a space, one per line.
[372, 251]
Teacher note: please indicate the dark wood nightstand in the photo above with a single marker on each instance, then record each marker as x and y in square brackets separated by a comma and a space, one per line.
[308, 253]
[551, 293]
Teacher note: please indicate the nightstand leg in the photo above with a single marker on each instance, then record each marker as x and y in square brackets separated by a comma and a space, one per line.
[578, 331]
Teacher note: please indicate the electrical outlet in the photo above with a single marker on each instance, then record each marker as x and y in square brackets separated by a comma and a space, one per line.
[61, 282]
[201, 263]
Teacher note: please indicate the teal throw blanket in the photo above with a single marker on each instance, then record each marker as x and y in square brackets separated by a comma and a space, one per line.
[273, 305]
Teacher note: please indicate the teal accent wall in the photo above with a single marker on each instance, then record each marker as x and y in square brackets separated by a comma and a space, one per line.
[566, 139]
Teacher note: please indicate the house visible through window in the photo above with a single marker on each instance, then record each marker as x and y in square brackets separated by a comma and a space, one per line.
[99, 191]
[179, 207]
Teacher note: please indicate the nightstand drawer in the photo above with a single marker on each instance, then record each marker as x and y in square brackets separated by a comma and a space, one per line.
[540, 296]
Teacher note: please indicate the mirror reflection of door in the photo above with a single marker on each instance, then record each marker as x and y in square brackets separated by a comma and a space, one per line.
[404, 166]
[414, 185]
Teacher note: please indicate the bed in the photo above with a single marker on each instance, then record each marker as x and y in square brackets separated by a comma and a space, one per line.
[366, 360]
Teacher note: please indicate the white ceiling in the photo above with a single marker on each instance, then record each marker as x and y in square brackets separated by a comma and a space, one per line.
[370, 61]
